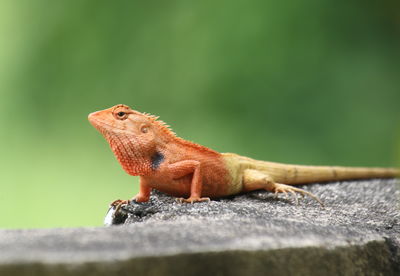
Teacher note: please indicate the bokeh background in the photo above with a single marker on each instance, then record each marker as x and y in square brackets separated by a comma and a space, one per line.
[308, 82]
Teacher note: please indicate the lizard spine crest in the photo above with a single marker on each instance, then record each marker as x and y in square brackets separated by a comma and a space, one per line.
[166, 129]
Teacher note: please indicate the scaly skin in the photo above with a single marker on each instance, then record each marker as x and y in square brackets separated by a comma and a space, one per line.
[146, 147]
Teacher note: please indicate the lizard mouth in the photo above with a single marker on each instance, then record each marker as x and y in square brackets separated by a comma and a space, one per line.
[103, 126]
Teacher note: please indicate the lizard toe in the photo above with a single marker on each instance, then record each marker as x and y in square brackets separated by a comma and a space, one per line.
[282, 188]
[193, 199]
[116, 204]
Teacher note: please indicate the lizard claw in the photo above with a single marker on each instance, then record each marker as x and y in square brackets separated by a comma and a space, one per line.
[118, 203]
[282, 188]
[192, 199]
[296, 199]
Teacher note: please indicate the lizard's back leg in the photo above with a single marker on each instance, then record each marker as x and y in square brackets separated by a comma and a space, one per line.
[258, 180]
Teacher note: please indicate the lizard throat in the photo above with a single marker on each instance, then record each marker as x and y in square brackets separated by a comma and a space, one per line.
[129, 153]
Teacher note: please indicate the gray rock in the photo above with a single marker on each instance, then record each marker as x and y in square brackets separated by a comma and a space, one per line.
[357, 232]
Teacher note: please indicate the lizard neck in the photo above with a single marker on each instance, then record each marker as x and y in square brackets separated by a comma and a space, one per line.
[196, 147]
[178, 144]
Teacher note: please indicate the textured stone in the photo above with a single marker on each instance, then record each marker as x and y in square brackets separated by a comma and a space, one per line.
[357, 232]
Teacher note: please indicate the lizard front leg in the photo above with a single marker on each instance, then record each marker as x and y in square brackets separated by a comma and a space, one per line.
[142, 196]
[183, 168]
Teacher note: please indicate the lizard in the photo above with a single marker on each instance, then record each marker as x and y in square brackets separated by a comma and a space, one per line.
[147, 147]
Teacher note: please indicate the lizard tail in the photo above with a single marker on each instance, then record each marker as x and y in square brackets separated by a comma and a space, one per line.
[296, 174]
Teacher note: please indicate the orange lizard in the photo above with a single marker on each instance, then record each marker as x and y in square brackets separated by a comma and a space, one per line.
[147, 147]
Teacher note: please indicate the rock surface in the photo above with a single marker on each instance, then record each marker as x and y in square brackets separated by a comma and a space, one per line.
[357, 232]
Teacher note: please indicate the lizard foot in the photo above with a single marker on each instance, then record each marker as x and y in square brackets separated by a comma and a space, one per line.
[282, 188]
[118, 203]
[193, 199]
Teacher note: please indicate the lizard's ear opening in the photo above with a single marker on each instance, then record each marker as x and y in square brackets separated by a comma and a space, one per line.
[144, 128]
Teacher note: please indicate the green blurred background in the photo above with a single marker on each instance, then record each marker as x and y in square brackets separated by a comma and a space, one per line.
[308, 82]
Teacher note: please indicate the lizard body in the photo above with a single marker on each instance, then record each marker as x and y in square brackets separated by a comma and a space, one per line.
[147, 147]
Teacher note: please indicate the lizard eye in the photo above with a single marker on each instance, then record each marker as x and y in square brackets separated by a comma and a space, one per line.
[121, 115]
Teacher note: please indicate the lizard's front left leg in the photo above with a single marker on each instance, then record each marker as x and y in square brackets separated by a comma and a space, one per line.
[186, 167]
[142, 196]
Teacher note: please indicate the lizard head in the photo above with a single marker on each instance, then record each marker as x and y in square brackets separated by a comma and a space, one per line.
[132, 135]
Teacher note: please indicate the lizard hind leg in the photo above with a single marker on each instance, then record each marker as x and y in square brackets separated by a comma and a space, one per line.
[257, 180]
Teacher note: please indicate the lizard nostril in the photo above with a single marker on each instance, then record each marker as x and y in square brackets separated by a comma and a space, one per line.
[91, 115]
